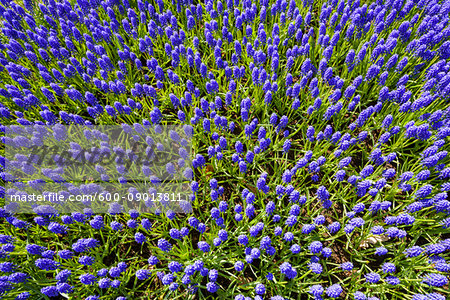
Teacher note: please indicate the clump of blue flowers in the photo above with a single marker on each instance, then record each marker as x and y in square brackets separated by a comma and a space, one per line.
[319, 159]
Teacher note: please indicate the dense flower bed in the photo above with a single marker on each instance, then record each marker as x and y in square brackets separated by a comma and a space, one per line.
[321, 133]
